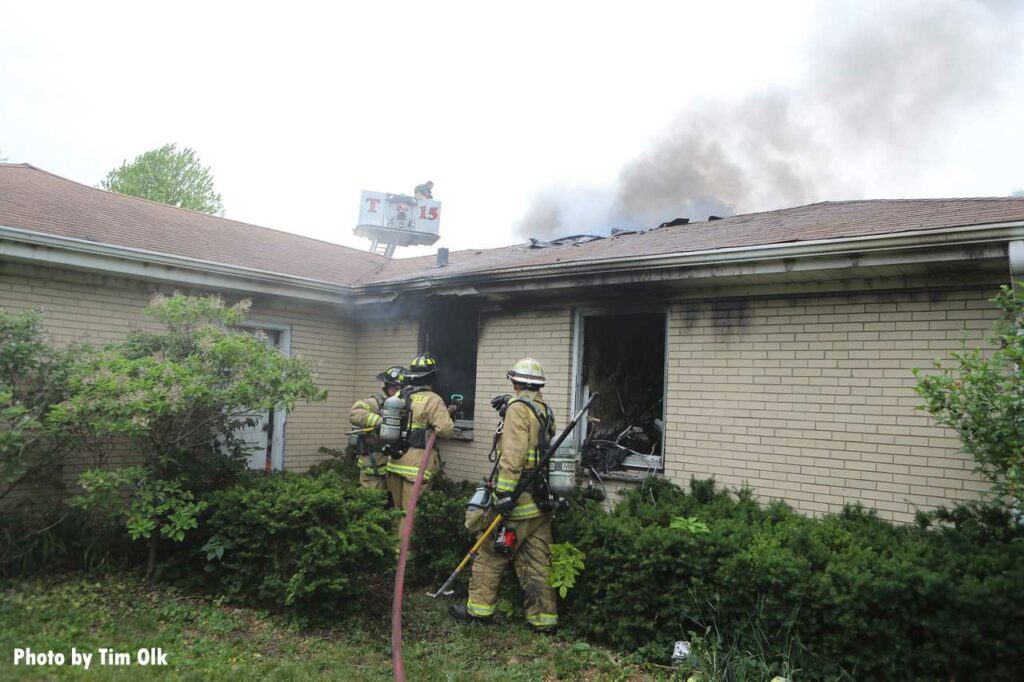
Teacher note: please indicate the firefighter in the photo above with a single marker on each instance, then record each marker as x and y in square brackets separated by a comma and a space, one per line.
[428, 413]
[527, 428]
[365, 414]
[424, 191]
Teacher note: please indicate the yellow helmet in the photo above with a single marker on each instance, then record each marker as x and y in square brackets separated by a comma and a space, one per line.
[393, 376]
[527, 371]
[422, 366]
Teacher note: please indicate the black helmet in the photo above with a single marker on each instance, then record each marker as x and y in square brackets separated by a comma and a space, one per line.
[393, 376]
[423, 366]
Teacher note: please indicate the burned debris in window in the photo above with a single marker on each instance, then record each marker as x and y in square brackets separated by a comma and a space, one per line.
[624, 361]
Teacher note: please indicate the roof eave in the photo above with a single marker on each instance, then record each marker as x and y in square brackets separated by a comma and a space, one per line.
[906, 247]
[79, 254]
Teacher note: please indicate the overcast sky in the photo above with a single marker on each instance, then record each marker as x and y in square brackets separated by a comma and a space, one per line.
[530, 118]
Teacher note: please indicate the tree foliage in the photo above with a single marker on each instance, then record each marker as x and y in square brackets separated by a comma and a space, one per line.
[168, 176]
[981, 397]
[177, 400]
[33, 378]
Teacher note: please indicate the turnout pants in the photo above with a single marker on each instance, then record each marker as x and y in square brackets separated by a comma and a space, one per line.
[401, 487]
[373, 472]
[532, 561]
[373, 482]
[402, 475]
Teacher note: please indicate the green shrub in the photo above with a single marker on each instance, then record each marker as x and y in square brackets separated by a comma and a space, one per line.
[33, 382]
[439, 538]
[860, 595]
[314, 546]
[338, 462]
[179, 398]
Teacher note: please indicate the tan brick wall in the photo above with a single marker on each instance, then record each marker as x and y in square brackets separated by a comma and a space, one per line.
[545, 334]
[380, 344]
[98, 309]
[322, 335]
[811, 399]
[804, 398]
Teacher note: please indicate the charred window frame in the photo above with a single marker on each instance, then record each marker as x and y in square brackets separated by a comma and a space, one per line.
[619, 325]
[450, 329]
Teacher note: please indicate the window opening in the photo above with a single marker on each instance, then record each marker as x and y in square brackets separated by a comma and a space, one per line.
[449, 329]
[623, 359]
[265, 437]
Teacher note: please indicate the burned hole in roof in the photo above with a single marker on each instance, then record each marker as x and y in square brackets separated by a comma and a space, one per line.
[569, 240]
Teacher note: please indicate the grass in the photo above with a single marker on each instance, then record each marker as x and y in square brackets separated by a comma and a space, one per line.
[205, 639]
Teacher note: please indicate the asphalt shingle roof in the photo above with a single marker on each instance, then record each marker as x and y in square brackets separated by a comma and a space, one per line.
[33, 199]
[826, 220]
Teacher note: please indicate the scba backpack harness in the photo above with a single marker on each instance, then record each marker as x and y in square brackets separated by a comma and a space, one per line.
[541, 489]
[359, 441]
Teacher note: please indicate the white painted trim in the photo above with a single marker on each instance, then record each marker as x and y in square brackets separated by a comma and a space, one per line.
[1016, 254]
[575, 400]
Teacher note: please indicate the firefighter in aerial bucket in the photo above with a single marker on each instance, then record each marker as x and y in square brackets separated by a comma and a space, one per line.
[424, 411]
[365, 415]
[524, 538]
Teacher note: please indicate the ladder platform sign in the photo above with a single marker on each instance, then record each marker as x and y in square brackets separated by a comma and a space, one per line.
[398, 219]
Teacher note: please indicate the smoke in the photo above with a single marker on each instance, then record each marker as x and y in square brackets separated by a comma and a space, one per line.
[884, 84]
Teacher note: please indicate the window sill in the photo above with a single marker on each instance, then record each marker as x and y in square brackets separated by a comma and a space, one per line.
[630, 476]
[463, 430]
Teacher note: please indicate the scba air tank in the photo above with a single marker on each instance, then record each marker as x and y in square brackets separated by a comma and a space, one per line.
[562, 473]
[392, 420]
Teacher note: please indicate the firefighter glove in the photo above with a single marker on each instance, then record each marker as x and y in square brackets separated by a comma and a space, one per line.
[500, 402]
[503, 503]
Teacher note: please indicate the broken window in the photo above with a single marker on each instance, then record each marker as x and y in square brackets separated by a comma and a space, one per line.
[449, 329]
[623, 360]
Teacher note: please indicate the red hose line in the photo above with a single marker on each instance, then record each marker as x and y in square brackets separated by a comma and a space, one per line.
[403, 555]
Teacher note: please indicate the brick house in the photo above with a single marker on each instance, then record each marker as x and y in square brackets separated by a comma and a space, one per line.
[779, 344]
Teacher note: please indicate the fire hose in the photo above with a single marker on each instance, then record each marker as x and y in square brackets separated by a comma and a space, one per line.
[403, 554]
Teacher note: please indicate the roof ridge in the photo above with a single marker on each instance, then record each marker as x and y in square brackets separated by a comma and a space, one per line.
[188, 210]
[891, 199]
[369, 275]
[837, 203]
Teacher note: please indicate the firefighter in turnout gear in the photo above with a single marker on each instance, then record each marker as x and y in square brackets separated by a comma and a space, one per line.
[428, 412]
[365, 414]
[527, 428]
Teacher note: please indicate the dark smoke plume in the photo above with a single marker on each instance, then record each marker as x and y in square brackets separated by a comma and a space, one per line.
[885, 81]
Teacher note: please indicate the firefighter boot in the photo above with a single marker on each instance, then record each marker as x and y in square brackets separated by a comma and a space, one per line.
[459, 612]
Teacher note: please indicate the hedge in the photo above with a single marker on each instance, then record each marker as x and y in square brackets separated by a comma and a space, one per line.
[314, 545]
[844, 595]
